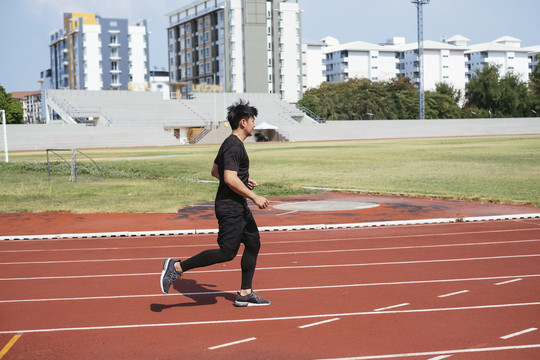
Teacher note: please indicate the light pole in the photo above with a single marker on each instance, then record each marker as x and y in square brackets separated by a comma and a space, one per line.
[420, 26]
[5, 134]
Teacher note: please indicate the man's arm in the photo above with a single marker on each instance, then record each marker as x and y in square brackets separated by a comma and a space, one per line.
[235, 184]
[215, 171]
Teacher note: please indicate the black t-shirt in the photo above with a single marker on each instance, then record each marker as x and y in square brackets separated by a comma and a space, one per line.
[232, 155]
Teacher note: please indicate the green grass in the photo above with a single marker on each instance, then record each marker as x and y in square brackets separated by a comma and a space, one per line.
[164, 179]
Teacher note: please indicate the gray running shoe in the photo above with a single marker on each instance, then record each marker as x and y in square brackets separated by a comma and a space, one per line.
[168, 275]
[250, 300]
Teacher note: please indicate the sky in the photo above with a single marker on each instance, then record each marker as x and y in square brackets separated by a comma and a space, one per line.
[25, 25]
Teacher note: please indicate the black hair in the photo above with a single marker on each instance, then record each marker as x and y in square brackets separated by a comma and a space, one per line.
[238, 111]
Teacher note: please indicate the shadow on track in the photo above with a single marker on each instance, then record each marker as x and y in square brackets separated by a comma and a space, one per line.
[199, 293]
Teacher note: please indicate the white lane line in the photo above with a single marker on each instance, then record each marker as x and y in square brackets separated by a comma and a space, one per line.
[505, 337]
[232, 343]
[440, 357]
[268, 242]
[454, 293]
[296, 288]
[446, 352]
[391, 307]
[270, 228]
[508, 282]
[288, 267]
[260, 254]
[287, 213]
[317, 323]
[298, 317]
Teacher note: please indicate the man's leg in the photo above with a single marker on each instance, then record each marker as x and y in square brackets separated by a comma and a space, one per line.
[231, 225]
[251, 239]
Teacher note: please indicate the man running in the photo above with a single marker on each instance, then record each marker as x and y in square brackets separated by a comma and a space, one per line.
[236, 223]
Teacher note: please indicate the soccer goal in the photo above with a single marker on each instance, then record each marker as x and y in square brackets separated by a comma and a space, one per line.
[72, 168]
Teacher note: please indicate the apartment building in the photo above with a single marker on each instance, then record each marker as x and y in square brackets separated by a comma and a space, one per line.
[443, 62]
[237, 46]
[312, 64]
[361, 59]
[533, 51]
[453, 61]
[95, 53]
[505, 52]
[31, 104]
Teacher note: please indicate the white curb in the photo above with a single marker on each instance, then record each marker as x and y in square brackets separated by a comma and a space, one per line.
[273, 228]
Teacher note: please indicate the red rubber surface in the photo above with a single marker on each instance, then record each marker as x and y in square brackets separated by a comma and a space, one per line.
[100, 298]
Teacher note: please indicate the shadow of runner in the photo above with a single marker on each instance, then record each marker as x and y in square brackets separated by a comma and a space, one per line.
[199, 293]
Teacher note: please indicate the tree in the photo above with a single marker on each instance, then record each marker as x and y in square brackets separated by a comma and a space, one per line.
[534, 87]
[483, 91]
[13, 107]
[505, 96]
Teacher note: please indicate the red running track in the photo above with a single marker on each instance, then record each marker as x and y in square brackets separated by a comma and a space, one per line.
[440, 291]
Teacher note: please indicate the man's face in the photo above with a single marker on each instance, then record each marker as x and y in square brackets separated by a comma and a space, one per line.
[249, 126]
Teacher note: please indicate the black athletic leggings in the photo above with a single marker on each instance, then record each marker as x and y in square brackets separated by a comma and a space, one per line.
[236, 226]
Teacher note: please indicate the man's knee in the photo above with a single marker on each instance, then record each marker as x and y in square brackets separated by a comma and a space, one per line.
[228, 254]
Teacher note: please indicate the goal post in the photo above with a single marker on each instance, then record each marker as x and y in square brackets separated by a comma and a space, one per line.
[72, 163]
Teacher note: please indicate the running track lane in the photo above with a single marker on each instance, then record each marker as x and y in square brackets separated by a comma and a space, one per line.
[467, 291]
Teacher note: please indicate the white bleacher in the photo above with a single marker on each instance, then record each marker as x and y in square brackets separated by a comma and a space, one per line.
[127, 108]
[123, 108]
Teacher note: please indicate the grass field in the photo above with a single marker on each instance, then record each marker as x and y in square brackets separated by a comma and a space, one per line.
[164, 179]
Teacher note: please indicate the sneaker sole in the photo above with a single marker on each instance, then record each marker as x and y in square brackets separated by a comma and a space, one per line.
[165, 266]
[245, 303]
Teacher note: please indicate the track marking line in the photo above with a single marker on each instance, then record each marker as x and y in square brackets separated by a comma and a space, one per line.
[508, 282]
[283, 318]
[260, 254]
[392, 307]
[454, 293]
[317, 323]
[275, 228]
[232, 343]
[457, 351]
[10, 344]
[287, 213]
[130, 238]
[295, 288]
[440, 357]
[505, 337]
[285, 267]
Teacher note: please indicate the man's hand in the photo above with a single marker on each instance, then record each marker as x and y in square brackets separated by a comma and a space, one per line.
[252, 184]
[260, 201]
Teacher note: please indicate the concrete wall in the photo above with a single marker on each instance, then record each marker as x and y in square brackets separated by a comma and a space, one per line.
[38, 137]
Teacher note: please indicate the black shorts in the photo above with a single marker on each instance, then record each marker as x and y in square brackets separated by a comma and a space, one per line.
[236, 225]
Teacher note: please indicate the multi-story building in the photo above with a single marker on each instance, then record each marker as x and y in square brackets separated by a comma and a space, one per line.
[505, 52]
[533, 52]
[94, 53]
[312, 64]
[452, 61]
[237, 46]
[361, 59]
[31, 104]
[443, 62]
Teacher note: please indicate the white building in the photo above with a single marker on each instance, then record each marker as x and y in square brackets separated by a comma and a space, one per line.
[237, 46]
[94, 53]
[533, 51]
[505, 52]
[159, 81]
[312, 64]
[443, 62]
[361, 59]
